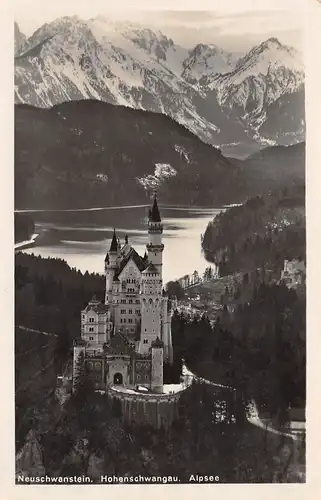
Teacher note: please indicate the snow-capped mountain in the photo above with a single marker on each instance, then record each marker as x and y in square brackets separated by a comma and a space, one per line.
[19, 39]
[205, 62]
[159, 46]
[216, 94]
[73, 59]
[268, 72]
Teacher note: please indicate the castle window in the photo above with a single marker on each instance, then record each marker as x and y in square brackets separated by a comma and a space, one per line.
[123, 301]
[130, 311]
[130, 301]
[91, 338]
[91, 328]
[123, 311]
[137, 311]
[137, 301]
[145, 341]
[91, 320]
[130, 320]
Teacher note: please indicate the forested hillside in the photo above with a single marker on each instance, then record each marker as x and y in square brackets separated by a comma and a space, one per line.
[262, 232]
[259, 349]
[35, 377]
[89, 153]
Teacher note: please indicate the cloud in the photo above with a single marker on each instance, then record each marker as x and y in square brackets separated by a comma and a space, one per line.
[232, 30]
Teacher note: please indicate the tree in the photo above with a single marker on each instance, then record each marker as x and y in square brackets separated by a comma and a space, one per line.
[174, 289]
[83, 386]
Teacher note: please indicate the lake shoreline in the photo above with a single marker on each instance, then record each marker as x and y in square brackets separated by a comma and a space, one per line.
[82, 238]
[122, 207]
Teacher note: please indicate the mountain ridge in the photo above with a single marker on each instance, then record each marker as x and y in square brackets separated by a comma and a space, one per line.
[83, 153]
[124, 64]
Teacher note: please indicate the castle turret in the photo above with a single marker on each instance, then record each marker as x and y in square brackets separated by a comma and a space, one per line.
[113, 250]
[111, 266]
[157, 365]
[155, 246]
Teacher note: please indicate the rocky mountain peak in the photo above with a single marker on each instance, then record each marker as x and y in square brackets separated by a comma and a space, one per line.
[218, 95]
[207, 61]
[271, 42]
[19, 39]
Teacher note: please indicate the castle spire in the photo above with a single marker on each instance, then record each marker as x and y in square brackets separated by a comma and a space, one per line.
[155, 215]
[114, 244]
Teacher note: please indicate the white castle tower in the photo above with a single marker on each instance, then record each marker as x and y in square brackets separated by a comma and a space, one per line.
[152, 283]
[155, 246]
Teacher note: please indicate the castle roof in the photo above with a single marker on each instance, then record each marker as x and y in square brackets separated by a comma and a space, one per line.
[135, 257]
[150, 269]
[114, 243]
[97, 307]
[119, 345]
[154, 214]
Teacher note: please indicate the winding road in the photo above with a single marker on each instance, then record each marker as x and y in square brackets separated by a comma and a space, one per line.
[253, 416]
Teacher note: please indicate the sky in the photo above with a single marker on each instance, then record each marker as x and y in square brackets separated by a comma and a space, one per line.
[229, 26]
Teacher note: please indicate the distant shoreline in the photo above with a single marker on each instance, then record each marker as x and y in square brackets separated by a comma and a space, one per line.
[93, 209]
[21, 245]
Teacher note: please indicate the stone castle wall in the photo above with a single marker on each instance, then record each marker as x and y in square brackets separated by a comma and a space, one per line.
[157, 410]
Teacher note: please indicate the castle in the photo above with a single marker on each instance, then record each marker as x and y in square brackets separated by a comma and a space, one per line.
[126, 340]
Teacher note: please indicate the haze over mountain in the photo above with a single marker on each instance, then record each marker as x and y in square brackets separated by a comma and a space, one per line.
[225, 98]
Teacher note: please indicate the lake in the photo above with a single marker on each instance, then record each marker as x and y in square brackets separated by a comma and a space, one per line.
[82, 237]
